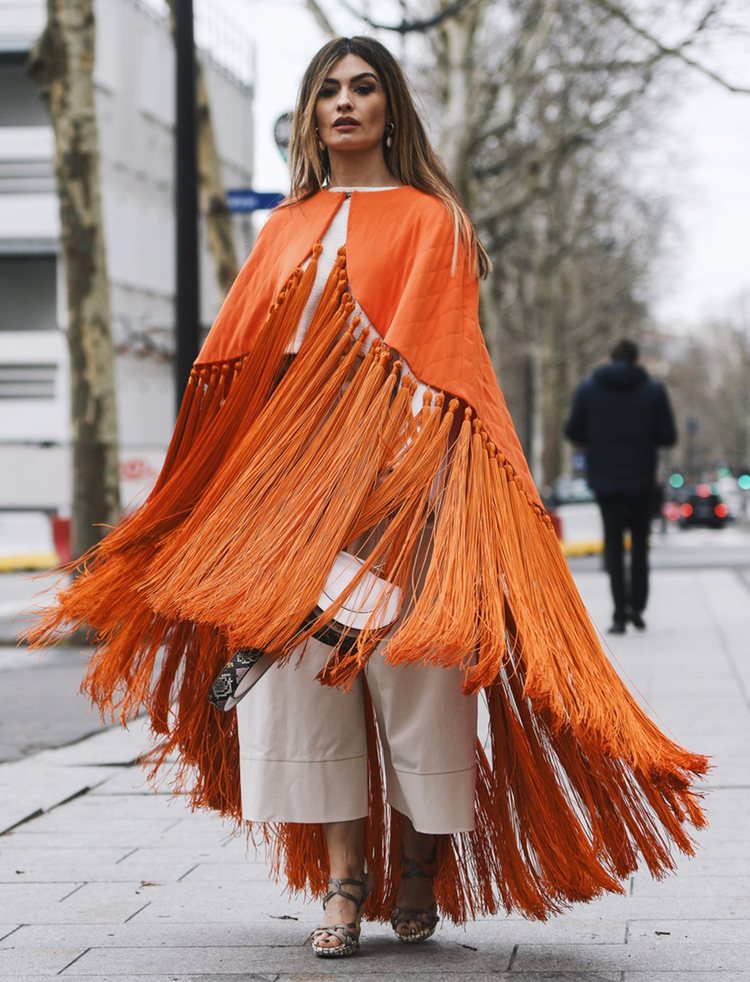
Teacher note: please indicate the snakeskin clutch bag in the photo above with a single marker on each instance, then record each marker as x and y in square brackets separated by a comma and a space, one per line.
[373, 600]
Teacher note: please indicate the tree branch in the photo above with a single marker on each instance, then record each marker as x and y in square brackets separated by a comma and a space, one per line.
[671, 51]
[321, 18]
[410, 26]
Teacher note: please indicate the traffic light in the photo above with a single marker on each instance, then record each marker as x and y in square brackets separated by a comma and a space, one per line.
[744, 482]
[676, 480]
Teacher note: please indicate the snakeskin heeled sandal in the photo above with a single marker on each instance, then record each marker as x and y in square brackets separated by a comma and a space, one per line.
[347, 934]
[426, 918]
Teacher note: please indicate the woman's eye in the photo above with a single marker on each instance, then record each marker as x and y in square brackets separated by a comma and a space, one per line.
[326, 93]
[364, 89]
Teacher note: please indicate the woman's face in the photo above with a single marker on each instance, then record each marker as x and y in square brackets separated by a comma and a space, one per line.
[351, 110]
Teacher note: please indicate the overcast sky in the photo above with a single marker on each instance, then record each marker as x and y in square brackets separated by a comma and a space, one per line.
[704, 160]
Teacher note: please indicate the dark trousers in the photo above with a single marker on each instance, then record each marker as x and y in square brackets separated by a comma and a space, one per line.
[622, 513]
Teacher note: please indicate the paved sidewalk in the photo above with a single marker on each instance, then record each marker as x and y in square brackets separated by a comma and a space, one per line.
[102, 879]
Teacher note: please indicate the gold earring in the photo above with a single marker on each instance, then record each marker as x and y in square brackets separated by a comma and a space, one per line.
[321, 145]
[389, 135]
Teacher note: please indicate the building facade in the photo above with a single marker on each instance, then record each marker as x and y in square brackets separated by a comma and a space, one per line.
[134, 80]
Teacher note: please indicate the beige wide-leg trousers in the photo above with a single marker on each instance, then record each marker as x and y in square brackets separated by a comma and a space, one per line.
[303, 754]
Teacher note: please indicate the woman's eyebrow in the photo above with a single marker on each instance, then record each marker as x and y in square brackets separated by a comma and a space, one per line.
[353, 79]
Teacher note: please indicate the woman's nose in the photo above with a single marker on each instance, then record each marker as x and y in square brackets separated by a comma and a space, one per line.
[344, 101]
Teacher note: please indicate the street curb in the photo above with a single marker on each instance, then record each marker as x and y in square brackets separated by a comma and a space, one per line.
[29, 562]
[37, 784]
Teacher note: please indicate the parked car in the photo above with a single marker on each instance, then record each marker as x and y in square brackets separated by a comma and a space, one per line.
[702, 506]
[576, 511]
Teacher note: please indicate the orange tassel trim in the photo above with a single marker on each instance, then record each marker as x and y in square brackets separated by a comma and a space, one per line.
[272, 470]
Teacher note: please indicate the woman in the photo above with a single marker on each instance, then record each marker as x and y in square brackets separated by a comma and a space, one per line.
[344, 410]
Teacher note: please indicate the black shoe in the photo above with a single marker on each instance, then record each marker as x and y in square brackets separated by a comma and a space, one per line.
[637, 621]
[618, 627]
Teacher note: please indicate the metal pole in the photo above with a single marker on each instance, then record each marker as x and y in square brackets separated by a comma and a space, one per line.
[187, 318]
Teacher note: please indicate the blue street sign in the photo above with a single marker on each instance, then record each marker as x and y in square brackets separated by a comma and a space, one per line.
[245, 199]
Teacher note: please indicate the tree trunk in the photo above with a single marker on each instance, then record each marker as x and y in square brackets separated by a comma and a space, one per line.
[536, 400]
[62, 62]
[219, 235]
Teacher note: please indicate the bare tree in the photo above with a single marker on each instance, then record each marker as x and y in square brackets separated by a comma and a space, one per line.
[62, 63]
[528, 95]
[725, 343]
[708, 375]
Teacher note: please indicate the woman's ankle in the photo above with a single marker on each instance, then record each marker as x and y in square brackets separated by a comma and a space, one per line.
[346, 854]
[418, 846]
[348, 870]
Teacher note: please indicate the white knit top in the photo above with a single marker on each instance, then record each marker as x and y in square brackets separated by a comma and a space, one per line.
[332, 241]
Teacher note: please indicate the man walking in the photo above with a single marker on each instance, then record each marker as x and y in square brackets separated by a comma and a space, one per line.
[620, 416]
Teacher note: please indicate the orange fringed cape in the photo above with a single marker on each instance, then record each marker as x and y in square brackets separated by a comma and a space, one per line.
[271, 472]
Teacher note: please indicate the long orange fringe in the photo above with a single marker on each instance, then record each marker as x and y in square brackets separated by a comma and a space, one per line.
[272, 470]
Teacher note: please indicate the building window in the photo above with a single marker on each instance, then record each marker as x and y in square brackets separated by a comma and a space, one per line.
[20, 102]
[28, 289]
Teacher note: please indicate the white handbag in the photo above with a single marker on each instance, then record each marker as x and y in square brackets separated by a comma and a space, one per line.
[248, 665]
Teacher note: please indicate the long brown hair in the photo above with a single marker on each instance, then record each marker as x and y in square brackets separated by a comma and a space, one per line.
[410, 158]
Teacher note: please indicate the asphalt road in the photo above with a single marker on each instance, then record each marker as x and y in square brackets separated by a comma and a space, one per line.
[40, 706]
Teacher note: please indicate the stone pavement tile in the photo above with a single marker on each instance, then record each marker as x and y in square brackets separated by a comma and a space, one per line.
[729, 838]
[30, 786]
[716, 975]
[728, 771]
[641, 956]
[727, 818]
[381, 956]
[101, 828]
[89, 871]
[21, 962]
[336, 972]
[113, 746]
[11, 855]
[518, 931]
[245, 977]
[124, 839]
[126, 807]
[134, 780]
[715, 862]
[18, 899]
[6, 929]
[671, 907]
[203, 904]
[729, 804]
[693, 886]
[114, 902]
[458, 976]
[697, 932]
[213, 854]
[690, 722]
[238, 933]
[347, 971]
[234, 872]
[165, 832]
[53, 776]
[242, 977]
[341, 971]
[255, 931]
[679, 908]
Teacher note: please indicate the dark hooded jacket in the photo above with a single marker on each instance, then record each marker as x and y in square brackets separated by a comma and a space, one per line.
[620, 416]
